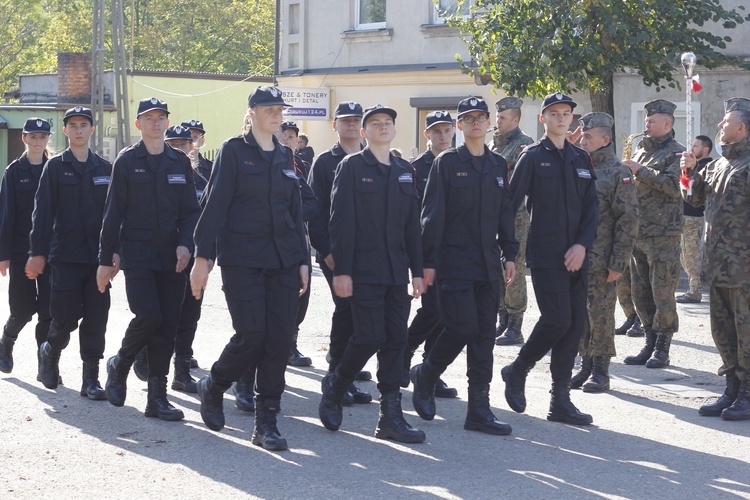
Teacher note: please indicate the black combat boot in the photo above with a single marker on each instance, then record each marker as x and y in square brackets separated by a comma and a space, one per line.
[140, 365]
[479, 417]
[637, 329]
[562, 409]
[660, 356]
[331, 408]
[355, 395]
[363, 376]
[39, 367]
[512, 335]
[392, 425]
[583, 374]
[295, 357]
[502, 323]
[514, 376]
[116, 387]
[443, 391]
[424, 378]
[50, 365]
[627, 324]
[212, 403]
[646, 351]
[182, 380]
[244, 392]
[91, 388]
[599, 380]
[157, 405]
[266, 434]
[740, 409]
[6, 353]
[193, 363]
[725, 401]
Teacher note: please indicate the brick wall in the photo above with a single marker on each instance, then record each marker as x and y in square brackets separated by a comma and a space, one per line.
[74, 78]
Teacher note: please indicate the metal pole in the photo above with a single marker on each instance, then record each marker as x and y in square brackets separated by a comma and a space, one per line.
[688, 63]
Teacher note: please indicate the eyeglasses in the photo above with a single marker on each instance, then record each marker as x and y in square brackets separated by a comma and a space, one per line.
[474, 119]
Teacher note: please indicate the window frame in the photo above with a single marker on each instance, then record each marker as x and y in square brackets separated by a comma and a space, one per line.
[438, 19]
[366, 26]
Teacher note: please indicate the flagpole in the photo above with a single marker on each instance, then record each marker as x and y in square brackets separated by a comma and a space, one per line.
[688, 63]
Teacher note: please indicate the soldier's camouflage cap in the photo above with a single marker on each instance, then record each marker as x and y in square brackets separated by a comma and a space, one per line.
[736, 104]
[509, 103]
[595, 120]
[659, 106]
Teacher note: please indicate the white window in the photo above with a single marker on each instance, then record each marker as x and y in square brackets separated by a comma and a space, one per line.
[369, 14]
[446, 8]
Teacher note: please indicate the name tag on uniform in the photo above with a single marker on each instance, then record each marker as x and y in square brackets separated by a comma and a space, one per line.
[405, 178]
[199, 193]
[584, 173]
[500, 181]
[101, 181]
[176, 178]
[290, 173]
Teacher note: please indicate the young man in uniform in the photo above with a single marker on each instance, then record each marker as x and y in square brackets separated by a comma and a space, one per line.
[252, 217]
[67, 220]
[425, 327]
[347, 122]
[151, 211]
[467, 221]
[375, 242]
[613, 247]
[556, 179]
[201, 165]
[509, 142]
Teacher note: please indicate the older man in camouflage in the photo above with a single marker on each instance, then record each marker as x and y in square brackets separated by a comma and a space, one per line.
[724, 187]
[613, 247]
[509, 141]
[655, 267]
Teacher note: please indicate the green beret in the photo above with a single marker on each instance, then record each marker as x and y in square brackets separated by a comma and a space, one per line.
[736, 104]
[595, 120]
[659, 106]
[508, 103]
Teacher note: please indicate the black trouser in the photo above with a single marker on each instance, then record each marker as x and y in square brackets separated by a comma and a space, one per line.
[381, 316]
[468, 310]
[27, 297]
[425, 327]
[75, 297]
[262, 303]
[561, 298]
[189, 317]
[155, 297]
[342, 324]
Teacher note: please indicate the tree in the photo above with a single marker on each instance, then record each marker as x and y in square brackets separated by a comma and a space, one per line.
[23, 24]
[533, 47]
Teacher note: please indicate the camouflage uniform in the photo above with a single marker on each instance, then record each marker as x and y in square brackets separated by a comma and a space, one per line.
[624, 293]
[613, 246]
[691, 245]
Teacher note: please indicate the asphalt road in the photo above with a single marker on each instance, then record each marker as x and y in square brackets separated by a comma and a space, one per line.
[647, 439]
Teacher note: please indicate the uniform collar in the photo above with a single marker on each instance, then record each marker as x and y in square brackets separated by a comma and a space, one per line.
[605, 154]
[142, 152]
[651, 144]
[736, 149]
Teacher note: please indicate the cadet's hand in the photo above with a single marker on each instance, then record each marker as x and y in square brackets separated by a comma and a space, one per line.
[104, 275]
[35, 266]
[510, 273]
[4, 264]
[342, 286]
[199, 276]
[613, 276]
[634, 166]
[329, 261]
[183, 258]
[429, 277]
[417, 287]
[574, 257]
[115, 264]
[574, 136]
[687, 161]
[304, 279]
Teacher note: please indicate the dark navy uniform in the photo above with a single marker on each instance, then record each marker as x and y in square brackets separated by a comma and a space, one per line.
[67, 221]
[151, 209]
[26, 297]
[375, 239]
[253, 218]
[560, 193]
[467, 221]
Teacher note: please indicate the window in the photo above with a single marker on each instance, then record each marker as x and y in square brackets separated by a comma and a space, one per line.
[369, 14]
[294, 19]
[446, 8]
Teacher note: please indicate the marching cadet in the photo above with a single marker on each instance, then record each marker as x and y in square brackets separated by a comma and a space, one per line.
[67, 220]
[556, 180]
[26, 297]
[375, 241]
[655, 266]
[425, 327]
[467, 220]
[724, 188]
[201, 164]
[509, 141]
[151, 211]
[252, 216]
[613, 247]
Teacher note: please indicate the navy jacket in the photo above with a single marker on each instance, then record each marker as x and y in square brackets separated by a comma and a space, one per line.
[467, 216]
[69, 208]
[374, 223]
[150, 210]
[422, 165]
[560, 192]
[20, 182]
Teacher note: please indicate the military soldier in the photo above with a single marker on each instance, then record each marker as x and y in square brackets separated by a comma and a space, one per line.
[613, 247]
[724, 188]
[509, 141]
[655, 267]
